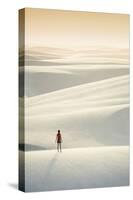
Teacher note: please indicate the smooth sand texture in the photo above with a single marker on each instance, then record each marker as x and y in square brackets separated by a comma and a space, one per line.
[77, 168]
[90, 114]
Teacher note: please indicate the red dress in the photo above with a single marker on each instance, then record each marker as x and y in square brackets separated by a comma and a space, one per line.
[58, 138]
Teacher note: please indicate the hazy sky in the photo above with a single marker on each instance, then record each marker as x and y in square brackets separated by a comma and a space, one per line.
[69, 29]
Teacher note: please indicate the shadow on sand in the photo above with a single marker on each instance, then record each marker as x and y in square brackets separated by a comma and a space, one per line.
[51, 165]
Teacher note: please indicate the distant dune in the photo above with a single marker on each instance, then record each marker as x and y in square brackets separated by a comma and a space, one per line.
[49, 69]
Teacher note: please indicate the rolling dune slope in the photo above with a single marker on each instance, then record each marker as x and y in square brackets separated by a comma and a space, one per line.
[90, 114]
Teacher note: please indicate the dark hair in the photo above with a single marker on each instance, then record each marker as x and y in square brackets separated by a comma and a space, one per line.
[58, 131]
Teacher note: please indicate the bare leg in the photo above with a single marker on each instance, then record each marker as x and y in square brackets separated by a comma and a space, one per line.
[58, 147]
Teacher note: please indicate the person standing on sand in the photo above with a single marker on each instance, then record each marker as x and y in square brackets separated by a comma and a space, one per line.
[59, 141]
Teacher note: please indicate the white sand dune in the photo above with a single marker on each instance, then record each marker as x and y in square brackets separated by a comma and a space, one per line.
[50, 69]
[40, 79]
[85, 94]
[90, 114]
[83, 55]
[101, 90]
[77, 168]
